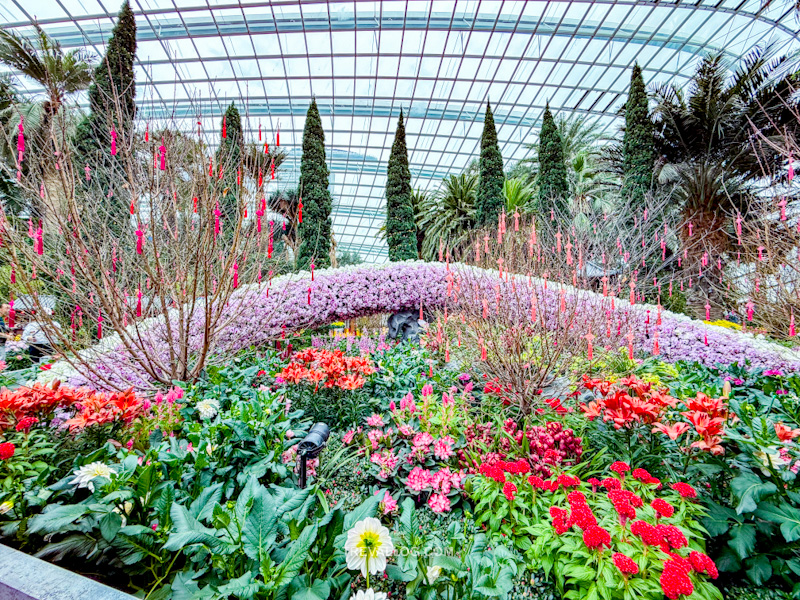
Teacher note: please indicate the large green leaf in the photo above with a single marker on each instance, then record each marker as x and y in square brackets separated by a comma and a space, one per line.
[189, 531]
[784, 515]
[759, 569]
[55, 518]
[296, 556]
[260, 527]
[750, 490]
[203, 505]
[720, 519]
[319, 590]
[743, 540]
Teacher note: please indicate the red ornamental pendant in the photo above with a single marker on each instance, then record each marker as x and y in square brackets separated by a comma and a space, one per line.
[300, 211]
[272, 169]
[224, 127]
[278, 138]
[194, 204]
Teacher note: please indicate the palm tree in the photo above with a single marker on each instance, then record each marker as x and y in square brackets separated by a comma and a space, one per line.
[707, 138]
[449, 216]
[518, 194]
[59, 73]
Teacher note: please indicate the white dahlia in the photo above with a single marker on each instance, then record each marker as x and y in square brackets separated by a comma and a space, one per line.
[207, 408]
[83, 476]
[369, 594]
[367, 546]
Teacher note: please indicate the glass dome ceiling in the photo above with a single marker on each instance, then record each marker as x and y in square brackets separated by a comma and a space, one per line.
[438, 61]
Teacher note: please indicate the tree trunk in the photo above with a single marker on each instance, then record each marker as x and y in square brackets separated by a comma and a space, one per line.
[709, 239]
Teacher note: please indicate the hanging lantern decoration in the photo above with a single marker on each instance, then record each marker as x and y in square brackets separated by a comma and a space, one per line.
[217, 214]
[20, 141]
[224, 127]
[162, 150]
[139, 239]
[113, 141]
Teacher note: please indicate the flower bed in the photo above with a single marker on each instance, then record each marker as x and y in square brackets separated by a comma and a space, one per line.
[350, 292]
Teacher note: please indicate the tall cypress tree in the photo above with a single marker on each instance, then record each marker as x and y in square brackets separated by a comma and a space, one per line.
[401, 231]
[315, 230]
[489, 199]
[111, 104]
[638, 146]
[553, 186]
[229, 158]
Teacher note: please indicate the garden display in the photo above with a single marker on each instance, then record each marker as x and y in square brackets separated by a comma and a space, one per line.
[575, 377]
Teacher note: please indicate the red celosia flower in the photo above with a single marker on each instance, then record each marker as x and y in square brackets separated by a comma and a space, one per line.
[611, 483]
[559, 516]
[6, 451]
[625, 496]
[703, 563]
[684, 489]
[649, 534]
[536, 481]
[675, 581]
[596, 537]
[662, 507]
[576, 498]
[522, 467]
[625, 564]
[673, 535]
[568, 481]
[26, 423]
[620, 467]
[595, 483]
[582, 517]
[509, 489]
[641, 475]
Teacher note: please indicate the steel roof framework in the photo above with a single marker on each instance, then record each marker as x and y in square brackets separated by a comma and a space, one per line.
[439, 61]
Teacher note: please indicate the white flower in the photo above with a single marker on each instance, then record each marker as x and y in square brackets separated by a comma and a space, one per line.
[83, 477]
[770, 455]
[369, 594]
[207, 408]
[367, 546]
[433, 574]
[6, 506]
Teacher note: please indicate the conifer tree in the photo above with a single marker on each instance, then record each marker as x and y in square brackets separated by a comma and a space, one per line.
[229, 158]
[638, 146]
[315, 230]
[401, 231]
[490, 185]
[553, 186]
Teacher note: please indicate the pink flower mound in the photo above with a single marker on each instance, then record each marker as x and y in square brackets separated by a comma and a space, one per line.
[350, 292]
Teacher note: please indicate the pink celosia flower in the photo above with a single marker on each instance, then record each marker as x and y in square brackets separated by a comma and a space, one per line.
[427, 390]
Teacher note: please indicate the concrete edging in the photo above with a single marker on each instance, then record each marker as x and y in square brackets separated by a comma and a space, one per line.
[25, 577]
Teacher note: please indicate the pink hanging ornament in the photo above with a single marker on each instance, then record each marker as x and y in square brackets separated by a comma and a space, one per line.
[39, 243]
[235, 275]
[20, 141]
[708, 311]
[590, 350]
[690, 226]
[147, 132]
[113, 141]
[138, 302]
[750, 309]
[139, 240]
[99, 326]
[309, 296]
[270, 239]
[792, 331]
[224, 126]
[791, 168]
[217, 214]
[516, 220]
[162, 150]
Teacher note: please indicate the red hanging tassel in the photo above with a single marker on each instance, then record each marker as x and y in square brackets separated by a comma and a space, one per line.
[300, 211]
[11, 312]
[194, 204]
[99, 326]
[278, 138]
[224, 127]
[272, 169]
[139, 240]
[138, 302]
[235, 275]
[147, 132]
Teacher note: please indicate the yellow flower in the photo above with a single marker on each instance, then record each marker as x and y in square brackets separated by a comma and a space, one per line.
[6, 506]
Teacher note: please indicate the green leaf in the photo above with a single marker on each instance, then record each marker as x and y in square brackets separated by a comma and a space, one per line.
[297, 555]
[759, 569]
[188, 531]
[156, 437]
[786, 516]
[319, 590]
[110, 525]
[203, 506]
[56, 517]
[395, 573]
[260, 527]
[750, 490]
[244, 587]
[719, 519]
[743, 540]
